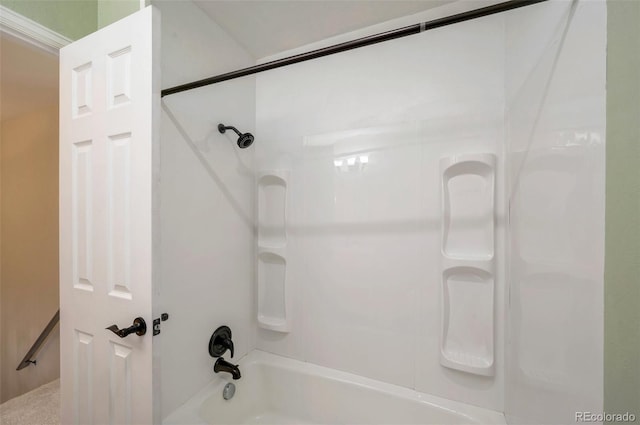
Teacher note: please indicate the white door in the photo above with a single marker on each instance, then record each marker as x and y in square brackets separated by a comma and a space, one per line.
[108, 99]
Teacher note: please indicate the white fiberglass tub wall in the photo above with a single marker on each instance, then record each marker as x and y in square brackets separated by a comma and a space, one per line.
[276, 390]
[360, 135]
[206, 201]
[556, 68]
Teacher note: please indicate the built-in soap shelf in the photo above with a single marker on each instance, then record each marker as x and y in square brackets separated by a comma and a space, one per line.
[467, 263]
[274, 294]
[272, 208]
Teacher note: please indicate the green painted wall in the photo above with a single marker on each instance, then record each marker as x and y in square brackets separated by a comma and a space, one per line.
[110, 11]
[622, 259]
[71, 18]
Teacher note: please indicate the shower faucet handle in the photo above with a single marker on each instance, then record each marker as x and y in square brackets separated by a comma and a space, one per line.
[220, 342]
[228, 344]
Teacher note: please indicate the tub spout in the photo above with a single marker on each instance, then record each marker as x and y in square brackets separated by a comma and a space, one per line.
[222, 365]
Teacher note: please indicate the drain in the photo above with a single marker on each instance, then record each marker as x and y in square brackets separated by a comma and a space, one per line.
[228, 391]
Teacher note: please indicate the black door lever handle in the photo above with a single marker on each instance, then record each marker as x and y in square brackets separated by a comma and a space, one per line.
[139, 327]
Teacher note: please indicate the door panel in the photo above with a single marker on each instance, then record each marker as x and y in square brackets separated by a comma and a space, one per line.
[107, 102]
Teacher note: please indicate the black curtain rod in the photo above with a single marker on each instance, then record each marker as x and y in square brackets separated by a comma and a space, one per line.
[355, 44]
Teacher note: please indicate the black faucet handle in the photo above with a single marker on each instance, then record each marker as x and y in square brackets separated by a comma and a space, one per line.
[220, 342]
[228, 344]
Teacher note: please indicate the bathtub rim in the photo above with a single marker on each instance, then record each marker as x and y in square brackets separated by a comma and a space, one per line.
[188, 412]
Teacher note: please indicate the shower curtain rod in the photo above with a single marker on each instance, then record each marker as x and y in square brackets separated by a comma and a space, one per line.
[355, 44]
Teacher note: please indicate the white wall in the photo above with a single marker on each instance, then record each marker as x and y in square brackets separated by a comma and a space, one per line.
[555, 86]
[29, 236]
[363, 242]
[206, 201]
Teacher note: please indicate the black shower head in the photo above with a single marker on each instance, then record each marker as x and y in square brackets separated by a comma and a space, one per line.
[244, 139]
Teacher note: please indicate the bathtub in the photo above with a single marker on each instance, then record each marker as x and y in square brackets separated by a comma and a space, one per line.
[278, 390]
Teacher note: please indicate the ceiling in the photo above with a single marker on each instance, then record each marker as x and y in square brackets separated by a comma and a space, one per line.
[28, 77]
[267, 27]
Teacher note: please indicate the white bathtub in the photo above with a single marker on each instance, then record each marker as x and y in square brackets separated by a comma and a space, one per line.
[277, 390]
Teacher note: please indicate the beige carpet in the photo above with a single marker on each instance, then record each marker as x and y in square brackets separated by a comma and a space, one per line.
[38, 407]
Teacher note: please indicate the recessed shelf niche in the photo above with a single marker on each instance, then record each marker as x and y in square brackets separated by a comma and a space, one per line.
[467, 277]
[468, 206]
[272, 208]
[274, 293]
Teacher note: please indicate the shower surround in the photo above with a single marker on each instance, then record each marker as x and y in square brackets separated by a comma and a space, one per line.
[362, 135]
[426, 213]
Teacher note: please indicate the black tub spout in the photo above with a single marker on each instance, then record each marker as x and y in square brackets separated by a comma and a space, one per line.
[222, 365]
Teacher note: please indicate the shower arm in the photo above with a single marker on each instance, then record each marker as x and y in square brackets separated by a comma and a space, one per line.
[222, 128]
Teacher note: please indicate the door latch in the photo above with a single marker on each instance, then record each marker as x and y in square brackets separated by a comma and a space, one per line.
[156, 323]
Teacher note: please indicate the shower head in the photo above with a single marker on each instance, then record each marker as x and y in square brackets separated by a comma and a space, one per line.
[244, 139]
